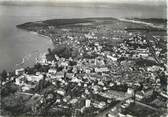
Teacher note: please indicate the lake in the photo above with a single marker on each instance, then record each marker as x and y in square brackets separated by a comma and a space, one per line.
[16, 44]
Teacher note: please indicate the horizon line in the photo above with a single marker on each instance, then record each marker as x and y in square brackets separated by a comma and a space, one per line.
[88, 1]
[139, 2]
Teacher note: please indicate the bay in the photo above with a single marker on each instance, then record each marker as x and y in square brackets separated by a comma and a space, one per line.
[16, 44]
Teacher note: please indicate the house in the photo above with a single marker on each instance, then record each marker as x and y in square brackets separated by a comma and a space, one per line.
[87, 71]
[128, 115]
[125, 105]
[73, 101]
[75, 69]
[164, 95]
[139, 95]
[19, 71]
[69, 75]
[38, 73]
[89, 36]
[154, 68]
[99, 61]
[102, 69]
[112, 58]
[100, 83]
[142, 50]
[121, 115]
[143, 55]
[60, 75]
[34, 78]
[130, 91]
[61, 92]
[95, 88]
[147, 92]
[64, 63]
[99, 105]
[26, 87]
[56, 57]
[128, 101]
[52, 71]
[118, 83]
[87, 103]
[74, 79]
[20, 80]
[42, 60]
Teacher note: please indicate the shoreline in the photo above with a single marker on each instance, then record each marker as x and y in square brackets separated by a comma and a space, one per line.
[50, 39]
[139, 22]
[26, 58]
[38, 34]
[94, 62]
[72, 21]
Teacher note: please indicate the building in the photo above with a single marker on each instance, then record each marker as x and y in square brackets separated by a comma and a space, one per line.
[139, 95]
[19, 71]
[87, 103]
[34, 78]
[60, 75]
[102, 69]
[112, 58]
[52, 71]
[130, 91]
[20, 80]
[147, 92]
[99, 105]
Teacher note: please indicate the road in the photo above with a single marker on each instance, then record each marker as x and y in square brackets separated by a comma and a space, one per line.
[106, 111]
[147, 106]
[152, 50]
[23, 93]
[118, 105]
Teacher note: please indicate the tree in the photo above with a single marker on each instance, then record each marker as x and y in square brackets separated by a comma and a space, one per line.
[45, 68]
[14, 104]
[29, 70]
[163, 79]
[11, 74]
[42, 84]
[4, 75]
[8, 88]
[38, 66]
[49, 51]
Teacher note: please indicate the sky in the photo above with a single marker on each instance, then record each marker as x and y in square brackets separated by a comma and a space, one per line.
[141, 2]
[91, 0]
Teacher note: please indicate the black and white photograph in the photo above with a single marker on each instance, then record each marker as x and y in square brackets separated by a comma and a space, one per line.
[83, 58]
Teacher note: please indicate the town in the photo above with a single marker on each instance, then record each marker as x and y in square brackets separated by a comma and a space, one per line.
[98, 68]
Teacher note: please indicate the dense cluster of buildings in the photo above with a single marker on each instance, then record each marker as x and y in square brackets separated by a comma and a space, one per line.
[116, 80]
